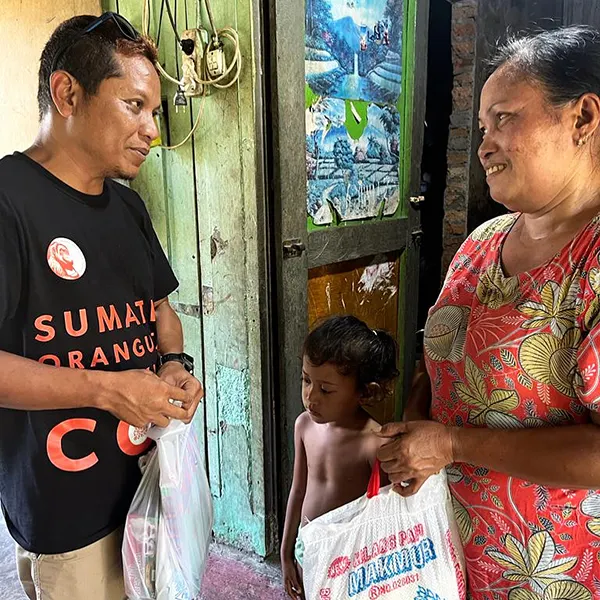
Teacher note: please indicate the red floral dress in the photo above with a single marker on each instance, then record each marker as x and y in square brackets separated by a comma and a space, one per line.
[520, 352]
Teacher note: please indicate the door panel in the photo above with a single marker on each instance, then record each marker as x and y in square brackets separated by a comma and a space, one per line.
[366, 288]
[348, 106]
[586, 12]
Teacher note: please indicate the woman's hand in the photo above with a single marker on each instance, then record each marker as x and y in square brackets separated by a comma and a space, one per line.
[417, 450]
[291, 579]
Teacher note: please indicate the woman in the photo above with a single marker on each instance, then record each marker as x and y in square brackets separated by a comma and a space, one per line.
[512, 380]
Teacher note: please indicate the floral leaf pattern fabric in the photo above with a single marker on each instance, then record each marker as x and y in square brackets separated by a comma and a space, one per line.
[520, 352]
[552, 360]
[556, 309]
[494, 290]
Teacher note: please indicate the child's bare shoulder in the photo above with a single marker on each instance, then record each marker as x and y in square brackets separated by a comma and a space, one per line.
[369, 435]
[303, 422]
[372, 426]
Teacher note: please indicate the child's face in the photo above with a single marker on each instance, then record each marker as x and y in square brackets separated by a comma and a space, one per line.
[328, 395]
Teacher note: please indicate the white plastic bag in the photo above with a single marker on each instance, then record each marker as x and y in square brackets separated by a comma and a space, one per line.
[386, 546]
[186, 515]
[141, 531]
[169, 525]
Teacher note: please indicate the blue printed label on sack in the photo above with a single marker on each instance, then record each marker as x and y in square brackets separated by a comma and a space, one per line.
[405, 560]
[386, 565]
[424, 594]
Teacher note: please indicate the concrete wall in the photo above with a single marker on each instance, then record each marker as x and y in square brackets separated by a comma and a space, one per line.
[26, 25]
[464, 34]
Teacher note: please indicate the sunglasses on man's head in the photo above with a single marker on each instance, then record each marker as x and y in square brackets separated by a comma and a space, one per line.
[125, 27]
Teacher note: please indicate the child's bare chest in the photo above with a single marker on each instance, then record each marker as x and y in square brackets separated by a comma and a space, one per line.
[339, 469]
[338, 459]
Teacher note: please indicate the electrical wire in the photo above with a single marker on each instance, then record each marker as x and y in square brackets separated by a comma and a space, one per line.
[146, 31]
[177, 38]
[145, 17]
[160, 20]
[236, 62]
[212, 22]
[227, 79]
[173, 20]
[193, 130]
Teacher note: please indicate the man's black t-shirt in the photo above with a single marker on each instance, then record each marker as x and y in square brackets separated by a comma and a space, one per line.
[78, 277]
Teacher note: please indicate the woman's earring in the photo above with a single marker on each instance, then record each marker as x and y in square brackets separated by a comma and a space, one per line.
[583, 140]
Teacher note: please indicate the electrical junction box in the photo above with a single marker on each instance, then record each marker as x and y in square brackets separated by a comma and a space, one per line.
[193, 47]
[215, 62]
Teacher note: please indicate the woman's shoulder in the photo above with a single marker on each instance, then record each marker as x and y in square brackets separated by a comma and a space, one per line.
[480, 247]
[489, 229]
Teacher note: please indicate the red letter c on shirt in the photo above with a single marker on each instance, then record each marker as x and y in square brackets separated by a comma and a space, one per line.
[54, 446]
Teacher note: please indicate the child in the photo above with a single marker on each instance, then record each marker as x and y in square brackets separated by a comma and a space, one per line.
[346, 366]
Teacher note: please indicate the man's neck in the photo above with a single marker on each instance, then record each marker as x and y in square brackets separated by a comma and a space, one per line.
[65, 163]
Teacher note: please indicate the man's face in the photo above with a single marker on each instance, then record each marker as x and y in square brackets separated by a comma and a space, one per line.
[116, 126]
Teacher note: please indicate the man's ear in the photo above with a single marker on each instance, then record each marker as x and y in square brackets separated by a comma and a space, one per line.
[372, 394]
[66, 92]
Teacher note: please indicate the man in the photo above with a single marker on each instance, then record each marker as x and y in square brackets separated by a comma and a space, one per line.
[83, 314]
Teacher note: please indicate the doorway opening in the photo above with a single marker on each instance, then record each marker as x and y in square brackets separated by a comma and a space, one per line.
[435, 147]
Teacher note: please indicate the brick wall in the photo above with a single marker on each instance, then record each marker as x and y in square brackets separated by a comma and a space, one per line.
[464, 34]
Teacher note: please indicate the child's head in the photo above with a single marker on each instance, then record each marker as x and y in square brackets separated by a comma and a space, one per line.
[345, 365]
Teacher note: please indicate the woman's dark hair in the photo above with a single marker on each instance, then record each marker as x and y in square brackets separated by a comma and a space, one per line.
[90, 58]
[565, 61]
[355, 349]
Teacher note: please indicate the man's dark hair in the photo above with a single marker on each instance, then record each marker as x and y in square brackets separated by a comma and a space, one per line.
[565, 61]
[89, 58]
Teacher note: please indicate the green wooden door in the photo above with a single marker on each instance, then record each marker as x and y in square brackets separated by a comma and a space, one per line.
[207, 204]
[346, 145]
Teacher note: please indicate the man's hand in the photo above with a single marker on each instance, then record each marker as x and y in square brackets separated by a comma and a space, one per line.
[169, 335]
[417, 450]
[140, 398]
[291, 579]
[174, 373]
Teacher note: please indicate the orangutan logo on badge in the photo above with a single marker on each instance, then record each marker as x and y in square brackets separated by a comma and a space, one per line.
[66, 259]
[138, 435]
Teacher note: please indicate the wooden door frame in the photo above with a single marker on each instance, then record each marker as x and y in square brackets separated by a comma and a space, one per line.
[288, 180]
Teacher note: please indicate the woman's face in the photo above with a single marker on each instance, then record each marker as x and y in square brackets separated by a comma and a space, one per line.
[528, 149]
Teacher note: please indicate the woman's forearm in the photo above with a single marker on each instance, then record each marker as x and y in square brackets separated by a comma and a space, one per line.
[558, 457]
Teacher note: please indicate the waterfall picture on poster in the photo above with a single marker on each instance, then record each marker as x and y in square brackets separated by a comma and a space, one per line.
[354, 49]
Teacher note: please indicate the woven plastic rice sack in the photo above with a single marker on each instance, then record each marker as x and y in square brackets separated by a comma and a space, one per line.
[165, 551]
[386, 546]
